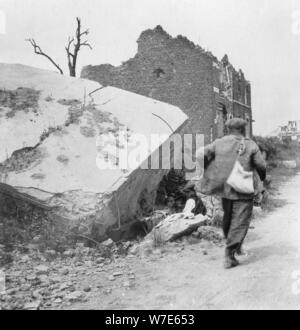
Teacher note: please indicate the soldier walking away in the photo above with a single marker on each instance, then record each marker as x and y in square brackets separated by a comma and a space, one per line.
[219, 160]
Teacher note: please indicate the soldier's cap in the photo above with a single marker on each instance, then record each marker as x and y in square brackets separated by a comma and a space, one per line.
[236, 123]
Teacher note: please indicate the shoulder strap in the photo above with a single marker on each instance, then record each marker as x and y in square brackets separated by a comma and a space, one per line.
[242, 147]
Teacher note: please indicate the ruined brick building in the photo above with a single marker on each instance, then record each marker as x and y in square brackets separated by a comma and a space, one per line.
[176, 71]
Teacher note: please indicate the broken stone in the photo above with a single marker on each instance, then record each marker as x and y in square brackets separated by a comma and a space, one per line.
[25, 259]
[32, 306]
[75, 296]
[64, 287]
[65, 272]
[87, 289]
[37, 239]
[127, 245]
[36, 294]
[25, 287]
[41, 270]
[31, 278]
[176, 226]
[69, 254]
[111, 278]
[108, 243]
[116, 274]
[134, 250]
[100, 260]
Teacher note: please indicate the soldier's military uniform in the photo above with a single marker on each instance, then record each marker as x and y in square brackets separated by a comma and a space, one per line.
[219, 160]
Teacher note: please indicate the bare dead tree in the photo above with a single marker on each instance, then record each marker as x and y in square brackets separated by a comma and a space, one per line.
[37, 49]
[72, 49]
[76, 42]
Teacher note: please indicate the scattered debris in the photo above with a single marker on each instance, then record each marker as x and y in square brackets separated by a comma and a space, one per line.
[108, 243]
[111, 278]
[87, 289]
[32, 306]
[209, 233]
[178, 225]
[41, 270]
[116, 274]
[75, 296]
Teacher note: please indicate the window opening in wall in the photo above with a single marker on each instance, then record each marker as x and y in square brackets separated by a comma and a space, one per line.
[158, 72]
[239, 92]
[222, 116]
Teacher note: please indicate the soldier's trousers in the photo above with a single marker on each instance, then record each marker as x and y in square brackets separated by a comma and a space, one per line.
[236, 221]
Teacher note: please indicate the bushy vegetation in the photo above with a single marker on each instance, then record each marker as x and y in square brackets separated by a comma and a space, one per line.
[21, 99]
[278, 150]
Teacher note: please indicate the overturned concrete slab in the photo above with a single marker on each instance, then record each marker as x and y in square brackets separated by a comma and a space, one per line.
[50, 126]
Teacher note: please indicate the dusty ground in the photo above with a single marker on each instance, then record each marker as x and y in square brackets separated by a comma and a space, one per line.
[176, 276]
[192, 277]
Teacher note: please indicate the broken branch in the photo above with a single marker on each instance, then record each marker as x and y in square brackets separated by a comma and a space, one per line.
[37, 50]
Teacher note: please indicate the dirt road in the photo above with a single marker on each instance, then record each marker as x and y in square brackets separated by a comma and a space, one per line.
[194, 278]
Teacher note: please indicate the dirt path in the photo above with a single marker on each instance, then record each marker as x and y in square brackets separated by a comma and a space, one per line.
[190, 279]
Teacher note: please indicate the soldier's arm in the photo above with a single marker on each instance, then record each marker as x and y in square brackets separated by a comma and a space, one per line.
[206, 154]
[259, 163]
[209, 154]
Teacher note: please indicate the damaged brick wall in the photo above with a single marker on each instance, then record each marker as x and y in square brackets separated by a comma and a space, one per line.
[176, 71]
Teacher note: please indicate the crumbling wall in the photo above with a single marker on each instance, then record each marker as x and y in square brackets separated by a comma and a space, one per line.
[176, 71]
[171, 70]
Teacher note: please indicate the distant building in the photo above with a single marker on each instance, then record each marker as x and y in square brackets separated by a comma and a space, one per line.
[176, 71]
[291, 131]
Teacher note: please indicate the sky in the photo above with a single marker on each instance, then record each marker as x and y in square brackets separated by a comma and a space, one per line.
[262, 37]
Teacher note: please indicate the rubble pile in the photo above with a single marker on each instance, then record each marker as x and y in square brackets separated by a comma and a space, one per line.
[52, 280]
[209, 233]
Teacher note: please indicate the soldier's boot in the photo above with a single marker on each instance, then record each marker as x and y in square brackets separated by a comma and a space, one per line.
[230, 260]
[241, 252]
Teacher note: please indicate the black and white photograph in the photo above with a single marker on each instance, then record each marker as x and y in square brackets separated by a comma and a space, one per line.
[149, 158]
